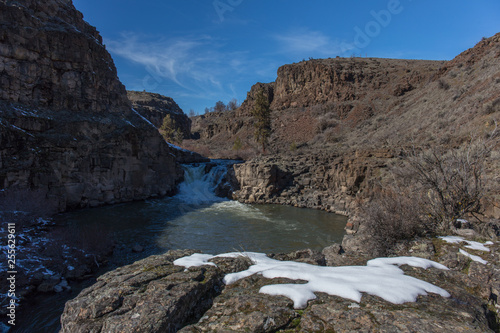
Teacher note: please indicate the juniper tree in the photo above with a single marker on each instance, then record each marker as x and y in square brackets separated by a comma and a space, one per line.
[237, 144]
[170, 131]
[262, 116]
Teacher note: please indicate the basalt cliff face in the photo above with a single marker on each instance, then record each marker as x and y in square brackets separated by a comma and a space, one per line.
[67, 127]
[311, 96]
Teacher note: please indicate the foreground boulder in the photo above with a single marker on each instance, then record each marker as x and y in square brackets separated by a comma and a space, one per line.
[151, 295]
[154, 295]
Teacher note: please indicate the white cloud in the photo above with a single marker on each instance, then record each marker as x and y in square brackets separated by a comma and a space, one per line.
[190, 62]
[305, 42]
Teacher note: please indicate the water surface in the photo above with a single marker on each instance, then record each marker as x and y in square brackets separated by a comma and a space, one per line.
[193, 219]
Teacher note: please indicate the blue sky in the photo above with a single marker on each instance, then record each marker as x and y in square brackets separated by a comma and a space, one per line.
[202, 51]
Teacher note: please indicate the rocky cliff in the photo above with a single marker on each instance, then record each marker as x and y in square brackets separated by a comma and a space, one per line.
[155, 107]
[325, 181]
[66, 125]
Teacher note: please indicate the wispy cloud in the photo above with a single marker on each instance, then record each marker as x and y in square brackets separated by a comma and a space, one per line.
[305, 42]
[190, 62]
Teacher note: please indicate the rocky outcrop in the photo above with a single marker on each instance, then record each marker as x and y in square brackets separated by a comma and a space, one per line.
[324, 181]
[313, 96]
[66, 125]
[362, 111]
[155, 107]
[352, 82]
[154, 295]
[248, 104]
[151, 295]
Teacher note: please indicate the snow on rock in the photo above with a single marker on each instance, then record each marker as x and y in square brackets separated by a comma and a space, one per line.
[411, 261]
[137, 113]
[473, 257]
[470, 244]
[171, 145]
[196, 259]
[380, 278]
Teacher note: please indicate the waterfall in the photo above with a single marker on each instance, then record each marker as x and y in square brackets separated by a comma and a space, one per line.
[201, 181]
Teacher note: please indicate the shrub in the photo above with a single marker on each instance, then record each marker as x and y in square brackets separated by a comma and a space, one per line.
[450, 183]
[237, 145]
[392, 215]
[442, 84]
[492, 107]
[429, 192]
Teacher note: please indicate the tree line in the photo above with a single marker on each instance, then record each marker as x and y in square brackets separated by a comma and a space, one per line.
[220, 106]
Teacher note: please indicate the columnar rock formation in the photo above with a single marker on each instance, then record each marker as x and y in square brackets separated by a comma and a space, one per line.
[66, 125]
[324, 181]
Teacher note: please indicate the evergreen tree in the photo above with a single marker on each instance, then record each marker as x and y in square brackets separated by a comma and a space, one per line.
[262, 116]
[237, 144]
[169, 131]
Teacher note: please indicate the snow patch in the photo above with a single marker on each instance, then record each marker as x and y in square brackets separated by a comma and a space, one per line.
[470, 244]
[140, 115]
[196, 259]
[473, 257]
[380, 278]
[411, 261]
[178, 148]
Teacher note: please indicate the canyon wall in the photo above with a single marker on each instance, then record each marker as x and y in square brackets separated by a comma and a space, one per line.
[155, 107]
[67, 127]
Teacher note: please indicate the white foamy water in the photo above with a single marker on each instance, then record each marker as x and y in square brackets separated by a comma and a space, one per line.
[199, 187]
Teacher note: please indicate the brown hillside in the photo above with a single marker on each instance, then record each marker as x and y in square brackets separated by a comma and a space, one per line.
[343, 103]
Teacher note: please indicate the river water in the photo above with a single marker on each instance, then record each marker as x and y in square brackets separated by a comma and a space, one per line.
[193, 219]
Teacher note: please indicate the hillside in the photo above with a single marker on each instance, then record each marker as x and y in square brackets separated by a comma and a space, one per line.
[317, 98]
[361, 102]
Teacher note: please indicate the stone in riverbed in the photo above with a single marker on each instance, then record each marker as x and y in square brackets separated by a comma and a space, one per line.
[137, 248]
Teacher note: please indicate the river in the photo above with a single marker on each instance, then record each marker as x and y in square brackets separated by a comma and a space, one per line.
[193, 219]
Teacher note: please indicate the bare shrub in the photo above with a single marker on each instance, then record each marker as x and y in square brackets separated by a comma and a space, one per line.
[334, 135]
[442, 84]
[393, 215]
[429, 192]
[327, 121]
[492, 107]
[450, 183]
